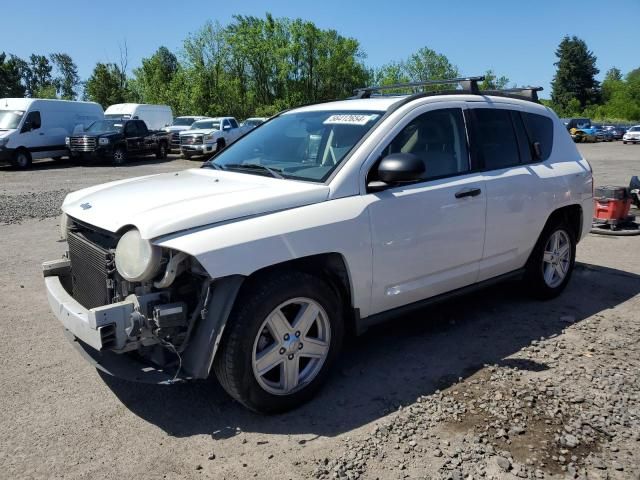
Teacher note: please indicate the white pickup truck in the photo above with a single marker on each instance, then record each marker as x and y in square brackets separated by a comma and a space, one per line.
[327, 219]
[210, 136]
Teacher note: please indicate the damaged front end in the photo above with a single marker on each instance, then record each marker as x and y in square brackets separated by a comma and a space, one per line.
[158, 321]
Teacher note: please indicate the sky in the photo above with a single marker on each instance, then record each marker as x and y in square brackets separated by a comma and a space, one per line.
[514, 38]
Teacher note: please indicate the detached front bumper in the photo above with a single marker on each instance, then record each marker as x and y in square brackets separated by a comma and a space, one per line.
[93, 332]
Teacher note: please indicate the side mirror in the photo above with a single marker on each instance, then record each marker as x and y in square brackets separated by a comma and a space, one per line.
[226, 127]
[401, 168]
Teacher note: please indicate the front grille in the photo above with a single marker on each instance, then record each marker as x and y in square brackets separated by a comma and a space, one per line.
[191, 140]
[175, 139]
[82, 144]
[90, 267]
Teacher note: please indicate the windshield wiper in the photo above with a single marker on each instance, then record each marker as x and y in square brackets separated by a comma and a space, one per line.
[212, 165]
[250, 166]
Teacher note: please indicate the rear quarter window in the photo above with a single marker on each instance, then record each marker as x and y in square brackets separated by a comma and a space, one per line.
[540, 129]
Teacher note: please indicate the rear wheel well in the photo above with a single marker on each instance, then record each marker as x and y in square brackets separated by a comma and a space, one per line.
[571, 215]
[329, 267]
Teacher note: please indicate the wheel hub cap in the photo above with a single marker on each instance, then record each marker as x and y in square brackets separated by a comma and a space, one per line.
[556, 258]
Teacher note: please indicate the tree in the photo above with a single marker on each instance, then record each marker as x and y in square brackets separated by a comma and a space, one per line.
[427, 64]
[37, 75]
[11, 71]
[575, 75]
[106, 85]
[493, 82]
[152, 81]
[67, 78]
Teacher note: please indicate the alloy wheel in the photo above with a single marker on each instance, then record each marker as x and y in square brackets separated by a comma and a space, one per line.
[291, 346]
[556, 258]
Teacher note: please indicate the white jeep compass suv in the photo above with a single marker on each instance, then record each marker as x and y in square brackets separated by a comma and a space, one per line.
[325, 219]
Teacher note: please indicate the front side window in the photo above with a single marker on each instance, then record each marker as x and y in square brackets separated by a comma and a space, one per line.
[439, 139]
[131, 130]
[34, 119]
[10, 119]
[299, 145]
[233, 122]
[496, 140]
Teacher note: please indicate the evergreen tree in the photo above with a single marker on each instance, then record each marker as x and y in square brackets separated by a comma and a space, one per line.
[11, 76]
[106, 85]
[575, 75]
[67, 78]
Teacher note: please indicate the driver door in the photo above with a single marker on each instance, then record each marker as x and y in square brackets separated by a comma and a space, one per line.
[427, 236]
[132, 137]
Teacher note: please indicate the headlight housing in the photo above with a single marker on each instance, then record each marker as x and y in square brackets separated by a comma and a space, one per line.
[3, 141]
[103, 141]
[209, 137]
[137, 260]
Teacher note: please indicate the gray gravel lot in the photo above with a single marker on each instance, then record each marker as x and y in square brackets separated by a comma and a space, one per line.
[494, 386]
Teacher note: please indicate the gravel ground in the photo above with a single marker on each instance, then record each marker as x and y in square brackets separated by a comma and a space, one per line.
[495, 386]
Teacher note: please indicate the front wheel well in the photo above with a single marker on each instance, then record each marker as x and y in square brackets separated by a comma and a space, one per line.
[330, 267]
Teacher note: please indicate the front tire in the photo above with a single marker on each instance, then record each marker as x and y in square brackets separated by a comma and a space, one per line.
[22, 159]
[119, 156]
[283, 335]
[162, 151]
[551, 263]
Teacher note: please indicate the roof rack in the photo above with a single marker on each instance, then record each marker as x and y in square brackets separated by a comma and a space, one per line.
[524, 93]
[469, 85]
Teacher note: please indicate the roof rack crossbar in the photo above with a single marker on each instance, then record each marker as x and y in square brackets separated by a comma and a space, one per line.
[468, 84]
[528, 93]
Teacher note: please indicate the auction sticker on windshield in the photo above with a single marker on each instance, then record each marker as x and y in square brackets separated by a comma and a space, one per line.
[350, 119]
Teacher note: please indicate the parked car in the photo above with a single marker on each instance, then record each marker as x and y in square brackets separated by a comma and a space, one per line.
[584, 135]
[180, 124]
[602, 134]
[36, 128]
[632, 135]
[156, 117]
[618, 132]
[253, 122]
[210, 136]
[254, 266]
[118, 140]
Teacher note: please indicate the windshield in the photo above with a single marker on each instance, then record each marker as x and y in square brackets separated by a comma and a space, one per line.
[183, 121]
[102, 126]
[304, 145]
[117, 115]
[634, 129]
[9, 119]
[253, 122]
[206, 125]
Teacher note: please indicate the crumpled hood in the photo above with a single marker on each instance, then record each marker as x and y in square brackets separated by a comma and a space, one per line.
[170, 202]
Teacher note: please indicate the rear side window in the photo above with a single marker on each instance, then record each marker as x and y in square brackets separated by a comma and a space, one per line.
[496, 141]
[539, 129]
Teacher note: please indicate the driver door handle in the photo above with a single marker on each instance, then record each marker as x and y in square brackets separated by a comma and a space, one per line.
[468, 192]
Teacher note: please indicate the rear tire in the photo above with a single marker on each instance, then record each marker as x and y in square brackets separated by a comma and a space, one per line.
[22, 159]
[274, 358]
[551, 262]
[119, 156]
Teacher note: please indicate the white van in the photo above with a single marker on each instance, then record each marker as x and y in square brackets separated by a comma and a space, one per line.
[156, 117]
[32, 128]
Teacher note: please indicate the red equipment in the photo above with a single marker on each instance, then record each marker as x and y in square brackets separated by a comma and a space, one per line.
[611, 206]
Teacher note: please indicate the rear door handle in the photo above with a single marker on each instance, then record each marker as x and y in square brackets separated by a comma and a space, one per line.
[468, 192]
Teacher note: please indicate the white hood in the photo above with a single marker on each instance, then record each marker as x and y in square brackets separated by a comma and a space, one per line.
[199, 131]
[176, 128]
[170, 202]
